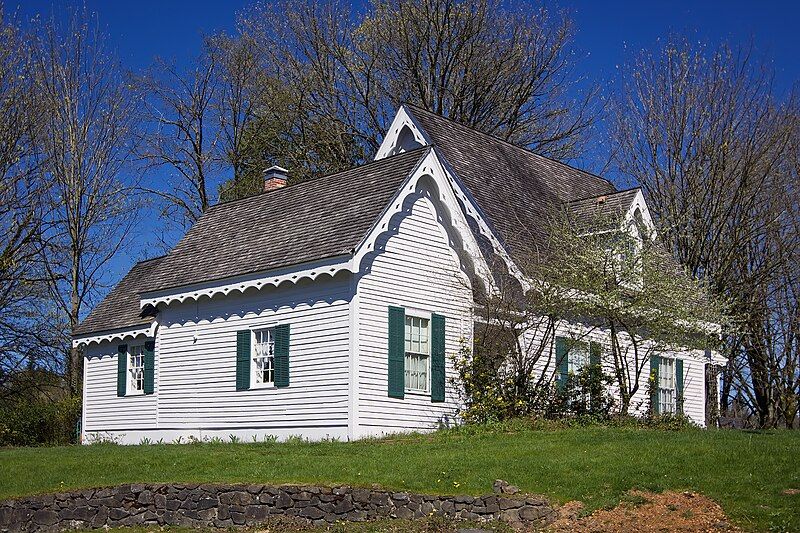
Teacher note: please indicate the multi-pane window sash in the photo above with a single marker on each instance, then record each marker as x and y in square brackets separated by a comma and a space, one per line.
[136, 368]
[418, 351]
[666, 385]
[264, 357]
[578, 358]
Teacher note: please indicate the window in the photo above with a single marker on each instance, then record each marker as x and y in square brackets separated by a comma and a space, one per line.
[264, 357]
[136, 369]
[418, 351]
[666, 385]
[578, 358]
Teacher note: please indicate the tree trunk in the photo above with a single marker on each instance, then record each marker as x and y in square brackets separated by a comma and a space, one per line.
[712, 396]
[75, 360]
[762, 391]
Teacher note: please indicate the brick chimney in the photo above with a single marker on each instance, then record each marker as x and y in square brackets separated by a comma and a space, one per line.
[275, 177]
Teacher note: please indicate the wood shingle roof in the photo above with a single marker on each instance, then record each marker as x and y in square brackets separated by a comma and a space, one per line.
[328, 217]
[513, 186]
[312, 220]
[120, 308]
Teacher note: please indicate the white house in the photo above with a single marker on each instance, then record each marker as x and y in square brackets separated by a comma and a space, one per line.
[331, 308]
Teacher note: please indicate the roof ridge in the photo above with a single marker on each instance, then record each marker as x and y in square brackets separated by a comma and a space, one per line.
[509, 143]
[600, 195]
[317, 178]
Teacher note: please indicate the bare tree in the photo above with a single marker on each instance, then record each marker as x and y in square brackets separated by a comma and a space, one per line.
[243, 91]
[24, 324]
[86, 142]
[701, 131]
[504, 70]
[182, 137]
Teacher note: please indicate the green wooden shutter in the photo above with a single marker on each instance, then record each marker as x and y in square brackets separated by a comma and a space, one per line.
[281, 355]
[243, 340]
[122, 369]
[397, 352]
[679, 386]
[595, 350]
[149, 366]
[595, 387]
[654, 359]
[562, 361]
[437, 358]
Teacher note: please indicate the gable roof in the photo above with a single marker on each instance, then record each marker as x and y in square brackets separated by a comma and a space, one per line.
[120, 308]
[606, 209]
[312, 220]
[514, 187]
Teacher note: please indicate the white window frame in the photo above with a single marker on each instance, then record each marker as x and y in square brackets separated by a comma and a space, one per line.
[134, 374]
[667, 386]
[256, 381]
[421, 355]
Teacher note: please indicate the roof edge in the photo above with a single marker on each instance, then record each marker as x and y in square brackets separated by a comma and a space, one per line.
[509, 143]
[583, 199]
[427, 150]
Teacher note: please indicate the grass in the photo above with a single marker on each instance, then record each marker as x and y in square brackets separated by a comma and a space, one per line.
[746, 472]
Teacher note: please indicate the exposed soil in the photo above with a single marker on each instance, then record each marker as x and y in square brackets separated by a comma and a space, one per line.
[648, 513]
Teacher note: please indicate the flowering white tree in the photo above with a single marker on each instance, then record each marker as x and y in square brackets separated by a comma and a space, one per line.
[600, 272]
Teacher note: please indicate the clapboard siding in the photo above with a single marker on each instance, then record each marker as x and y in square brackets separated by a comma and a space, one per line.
[417, 269]
[104, 410]
[195, 392]
[693, 369]
[198, 370]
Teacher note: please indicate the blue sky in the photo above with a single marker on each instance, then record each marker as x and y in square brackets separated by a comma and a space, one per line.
[608, 34]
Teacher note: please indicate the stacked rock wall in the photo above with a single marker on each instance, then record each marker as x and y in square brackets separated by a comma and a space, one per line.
[213, 505]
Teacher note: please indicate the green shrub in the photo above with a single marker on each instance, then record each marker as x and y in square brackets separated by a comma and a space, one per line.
[492, 392]
[34, 423]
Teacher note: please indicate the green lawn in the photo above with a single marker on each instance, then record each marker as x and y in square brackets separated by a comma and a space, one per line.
[745, 472]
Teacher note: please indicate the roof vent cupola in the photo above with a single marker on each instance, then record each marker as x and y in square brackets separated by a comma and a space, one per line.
[275, 177]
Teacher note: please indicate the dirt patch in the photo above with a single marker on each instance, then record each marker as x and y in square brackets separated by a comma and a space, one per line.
[648, 513]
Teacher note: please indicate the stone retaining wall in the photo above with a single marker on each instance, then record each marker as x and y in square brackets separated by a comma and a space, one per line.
[225, 506]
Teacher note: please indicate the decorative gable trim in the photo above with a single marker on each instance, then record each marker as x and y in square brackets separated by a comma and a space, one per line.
[640, 204]
[402, 135]
[430, 180]
[118, 335]
[239, 284]
[405, 124]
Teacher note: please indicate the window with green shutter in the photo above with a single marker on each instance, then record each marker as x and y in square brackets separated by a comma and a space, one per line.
[654, 389]
[281, 355]
[666, 380]
[243, 339]
[396, 361]
[679, 386]
[437, 358]
[149, 367]
[122, 369]
[562, 361]
[595, 385]
[595, 352]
